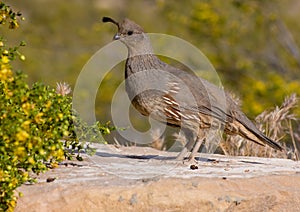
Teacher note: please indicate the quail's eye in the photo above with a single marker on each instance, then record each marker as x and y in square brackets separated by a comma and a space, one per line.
[130, 32]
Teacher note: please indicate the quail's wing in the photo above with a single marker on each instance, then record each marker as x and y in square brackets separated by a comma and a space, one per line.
[196, 95]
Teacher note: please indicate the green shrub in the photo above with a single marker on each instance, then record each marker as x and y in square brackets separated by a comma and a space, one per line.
[33, 120]
[37, 124]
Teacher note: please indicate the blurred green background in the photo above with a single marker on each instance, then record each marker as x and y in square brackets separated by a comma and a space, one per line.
[254, 44]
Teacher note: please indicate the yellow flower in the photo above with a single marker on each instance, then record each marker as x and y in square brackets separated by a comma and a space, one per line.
[5, 59]
[12, 205]
[31, 160]
[38, 118]
[29, 145]
[3, 116]
[24, 98]
[59, 154]
[54, 164]
[60, 116]
[25, 175]
[4, 71]
[22, 57]
[42, 152]
[20, 152]
[66, 133]
[25, 124]
[48, 105]
[22, 135]
[26, 107]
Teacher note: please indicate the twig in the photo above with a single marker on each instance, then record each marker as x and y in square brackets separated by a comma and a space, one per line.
[296, 152]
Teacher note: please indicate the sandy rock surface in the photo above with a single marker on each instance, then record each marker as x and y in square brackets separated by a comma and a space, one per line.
[144, 179]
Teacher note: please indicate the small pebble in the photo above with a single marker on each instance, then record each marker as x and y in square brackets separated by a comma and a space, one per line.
[193, 167]
[50, 179]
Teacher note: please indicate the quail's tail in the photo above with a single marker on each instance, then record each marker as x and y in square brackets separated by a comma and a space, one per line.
[268, 141]
[250, 131]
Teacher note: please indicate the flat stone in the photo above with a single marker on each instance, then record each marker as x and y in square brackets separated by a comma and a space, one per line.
[143, 179]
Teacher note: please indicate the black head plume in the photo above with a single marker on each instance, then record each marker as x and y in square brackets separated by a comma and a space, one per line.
[108, 19]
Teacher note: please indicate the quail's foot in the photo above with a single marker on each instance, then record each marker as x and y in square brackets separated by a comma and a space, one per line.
[182, 154]
[190, 161]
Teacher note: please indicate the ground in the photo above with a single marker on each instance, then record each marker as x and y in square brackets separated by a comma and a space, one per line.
[144, 179]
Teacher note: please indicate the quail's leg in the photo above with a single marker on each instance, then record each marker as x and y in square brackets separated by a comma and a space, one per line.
[185, 150]
[182, 154]
[188, 146]
[196, 149]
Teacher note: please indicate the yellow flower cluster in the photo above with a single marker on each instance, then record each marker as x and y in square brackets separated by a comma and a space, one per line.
[6, 74]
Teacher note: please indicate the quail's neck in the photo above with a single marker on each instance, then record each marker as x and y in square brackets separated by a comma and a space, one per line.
[141, 57]
[142, 63]
[142, 47]
[133, 51]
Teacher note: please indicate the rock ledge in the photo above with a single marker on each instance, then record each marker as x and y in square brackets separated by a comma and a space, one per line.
[144, 179]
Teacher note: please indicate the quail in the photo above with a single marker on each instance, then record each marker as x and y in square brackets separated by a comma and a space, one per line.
[179, 98]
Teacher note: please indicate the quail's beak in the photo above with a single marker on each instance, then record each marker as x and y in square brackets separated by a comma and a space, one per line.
[117, 36]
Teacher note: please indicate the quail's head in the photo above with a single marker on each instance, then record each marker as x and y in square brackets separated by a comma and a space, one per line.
[130, 33]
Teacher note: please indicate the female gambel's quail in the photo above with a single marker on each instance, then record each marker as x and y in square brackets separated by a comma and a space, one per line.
[179, 98]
